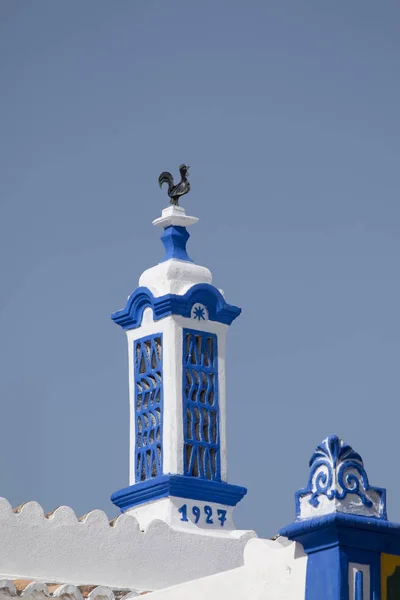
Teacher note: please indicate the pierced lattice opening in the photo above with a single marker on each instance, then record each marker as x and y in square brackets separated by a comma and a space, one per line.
[188, 453]
[148, 406]
[201, 412]
[188, 435]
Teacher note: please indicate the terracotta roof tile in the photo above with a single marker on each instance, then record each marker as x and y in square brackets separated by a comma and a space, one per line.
[17, 587]
[20, 584]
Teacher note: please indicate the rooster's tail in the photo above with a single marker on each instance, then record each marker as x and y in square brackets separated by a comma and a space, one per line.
[166, 177]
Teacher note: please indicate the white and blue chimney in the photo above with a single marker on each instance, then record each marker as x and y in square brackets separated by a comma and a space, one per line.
[176, 323]
[342, 525]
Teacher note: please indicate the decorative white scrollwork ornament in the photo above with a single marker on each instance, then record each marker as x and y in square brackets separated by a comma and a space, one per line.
[338, 482]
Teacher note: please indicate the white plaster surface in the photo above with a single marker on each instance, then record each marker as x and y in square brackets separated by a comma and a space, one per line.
[200, 307]
[172, 390]
[174, 277]
[271, 571]
[174, 215]
[59, 547]
[350, 504]
[167, 509]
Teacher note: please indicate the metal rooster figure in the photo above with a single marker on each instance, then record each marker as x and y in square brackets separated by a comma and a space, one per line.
[178, 190]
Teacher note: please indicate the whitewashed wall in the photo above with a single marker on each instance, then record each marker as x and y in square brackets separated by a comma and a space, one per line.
[271, 571]
[90, 550]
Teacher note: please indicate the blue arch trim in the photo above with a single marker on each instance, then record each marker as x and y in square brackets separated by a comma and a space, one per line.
[181, 486]
[219, 310]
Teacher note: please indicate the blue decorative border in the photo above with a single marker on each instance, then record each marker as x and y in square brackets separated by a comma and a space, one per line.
[151, 409]
[219, 310]
[208, 406]
[354, 531]
[180, 486]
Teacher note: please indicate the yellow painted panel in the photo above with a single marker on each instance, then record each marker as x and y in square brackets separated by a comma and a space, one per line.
[389, 562]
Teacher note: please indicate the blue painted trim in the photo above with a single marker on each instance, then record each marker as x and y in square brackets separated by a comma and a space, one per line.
[327, 573]
[352, 531]
[219, 310]
[181, 486]
[174, 239]
[201, 448]
[324, 576]
[359, 586]
[149, 406]
[366, 557]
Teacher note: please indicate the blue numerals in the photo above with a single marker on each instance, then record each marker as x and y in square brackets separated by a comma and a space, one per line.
[221, 516]
[207, 517]
[183, 511]
[197, 513]
[208, 511]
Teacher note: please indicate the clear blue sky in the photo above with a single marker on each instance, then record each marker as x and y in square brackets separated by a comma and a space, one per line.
[288, 113]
